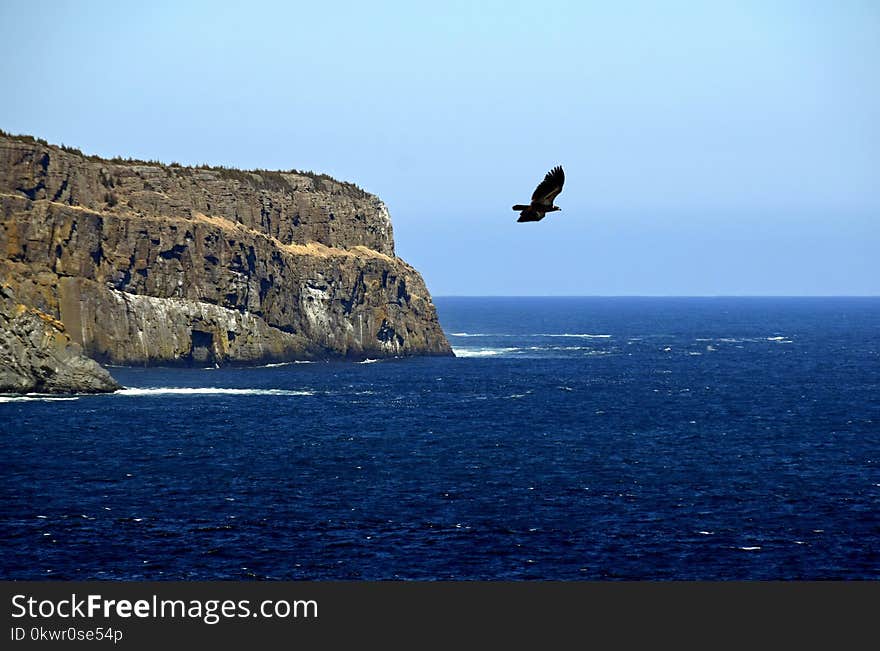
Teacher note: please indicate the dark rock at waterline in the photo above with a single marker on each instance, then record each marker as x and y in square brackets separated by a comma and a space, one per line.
[37, 355]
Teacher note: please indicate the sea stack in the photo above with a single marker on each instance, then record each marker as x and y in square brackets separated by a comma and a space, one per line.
[145, 263]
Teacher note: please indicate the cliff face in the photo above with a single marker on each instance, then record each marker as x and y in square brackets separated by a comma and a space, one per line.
[145, 263]
[37, 355]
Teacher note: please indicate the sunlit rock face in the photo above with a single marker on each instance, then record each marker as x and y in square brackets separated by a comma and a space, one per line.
[154, 264]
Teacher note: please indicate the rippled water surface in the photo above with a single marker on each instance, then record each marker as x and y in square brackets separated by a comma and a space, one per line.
[569, 439]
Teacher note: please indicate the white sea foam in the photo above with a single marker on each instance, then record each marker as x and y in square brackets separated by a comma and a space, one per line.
[590, 350]
[745, 340]
[539, 334]
[203, 391]
[750, 549]
[368, 361]
[37, 397]
[483, 352]
[524, 351]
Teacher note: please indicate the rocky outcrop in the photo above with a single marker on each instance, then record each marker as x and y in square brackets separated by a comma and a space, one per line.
[36, 355]
[153, 264]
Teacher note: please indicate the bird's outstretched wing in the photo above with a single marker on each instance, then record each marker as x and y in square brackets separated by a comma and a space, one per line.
[550, 187]
[529, 215]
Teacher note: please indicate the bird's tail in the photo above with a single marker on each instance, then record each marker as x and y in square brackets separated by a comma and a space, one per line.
[519, 206]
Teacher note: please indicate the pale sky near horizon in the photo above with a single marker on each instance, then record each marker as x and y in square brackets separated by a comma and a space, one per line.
[717, 148]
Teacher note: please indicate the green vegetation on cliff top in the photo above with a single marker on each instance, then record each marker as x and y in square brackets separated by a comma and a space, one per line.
[258, 178]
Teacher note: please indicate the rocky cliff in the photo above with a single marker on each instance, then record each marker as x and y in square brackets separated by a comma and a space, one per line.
[36, 355]
[162, 264]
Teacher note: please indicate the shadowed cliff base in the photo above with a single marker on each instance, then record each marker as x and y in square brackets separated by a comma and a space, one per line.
[153, 264]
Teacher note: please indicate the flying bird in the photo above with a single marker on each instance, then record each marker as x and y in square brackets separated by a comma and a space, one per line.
[542, 198]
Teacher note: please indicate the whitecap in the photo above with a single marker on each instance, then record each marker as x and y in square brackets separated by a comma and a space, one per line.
[750, 549]
[368, 361]
[482, 352]
[37, 397]
[581, 335]
[584, 335]
[200, 391]
[588, 348]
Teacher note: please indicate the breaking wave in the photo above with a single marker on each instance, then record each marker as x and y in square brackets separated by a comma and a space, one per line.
[36, 396]
[207, 391]
[540, 334]
[746, 340]
[483, 352]
[527, 351]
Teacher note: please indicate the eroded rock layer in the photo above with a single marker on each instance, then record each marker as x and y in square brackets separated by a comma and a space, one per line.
[37, 355]
[152, 264]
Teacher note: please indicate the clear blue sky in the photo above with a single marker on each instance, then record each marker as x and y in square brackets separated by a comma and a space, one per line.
[709, 148]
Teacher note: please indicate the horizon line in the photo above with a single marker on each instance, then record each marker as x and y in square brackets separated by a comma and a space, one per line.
[656, 295]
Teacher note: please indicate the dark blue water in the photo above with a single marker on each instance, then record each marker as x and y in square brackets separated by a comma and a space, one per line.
[571, 439]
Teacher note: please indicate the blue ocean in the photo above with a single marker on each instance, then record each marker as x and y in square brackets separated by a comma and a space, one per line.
[569, 439]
